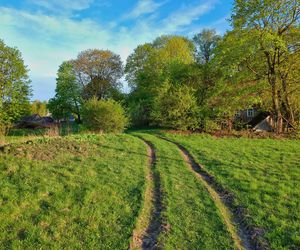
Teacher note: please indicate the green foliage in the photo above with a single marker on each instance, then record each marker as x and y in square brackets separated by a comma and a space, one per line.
[149, 68]
[104, 116]
[257, 53]
[99, 72]
[38, 107]
[206, 42]
[176, 107]
[14, 86]
[67, 100]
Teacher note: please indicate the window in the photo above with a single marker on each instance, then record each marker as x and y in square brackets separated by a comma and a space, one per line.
[250, 112]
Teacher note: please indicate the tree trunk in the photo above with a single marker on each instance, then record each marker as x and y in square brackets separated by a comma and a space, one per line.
[79, 118]
[229, 124]
[289, 110]
[279, 114]
[276, 105]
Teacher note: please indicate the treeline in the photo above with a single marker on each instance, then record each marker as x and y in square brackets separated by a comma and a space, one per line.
[185, 84]
[182, 83]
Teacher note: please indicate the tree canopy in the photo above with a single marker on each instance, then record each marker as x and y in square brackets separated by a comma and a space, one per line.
[38, 107]
[68, 97]
[99, 72]
[14, 85]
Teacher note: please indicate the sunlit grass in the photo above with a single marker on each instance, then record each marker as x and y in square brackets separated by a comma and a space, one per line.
[264, 175]
[191, 218]
[71, 193]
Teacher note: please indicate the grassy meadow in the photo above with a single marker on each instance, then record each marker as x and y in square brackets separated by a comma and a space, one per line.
[190, 218]
[263, 174]
[89, 191]
[71, 193]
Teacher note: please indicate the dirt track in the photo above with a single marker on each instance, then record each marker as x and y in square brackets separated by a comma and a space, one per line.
[146, 238]
[244, 237]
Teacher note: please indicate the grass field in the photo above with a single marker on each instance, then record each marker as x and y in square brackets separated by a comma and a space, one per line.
[71, 193]
[263, 174]
[191, 219]
[94, 191]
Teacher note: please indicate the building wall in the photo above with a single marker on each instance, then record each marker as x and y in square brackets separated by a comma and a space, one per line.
[246, 115]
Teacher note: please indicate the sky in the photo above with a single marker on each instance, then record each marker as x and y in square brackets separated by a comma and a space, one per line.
[48, 32]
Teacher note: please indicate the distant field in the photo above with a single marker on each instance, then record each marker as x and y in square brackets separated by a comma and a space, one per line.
[71, 193]
[264, 175]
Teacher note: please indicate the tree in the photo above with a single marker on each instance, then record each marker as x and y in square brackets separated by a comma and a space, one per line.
[68, 96]
[104, 116]
[14, 85]
[38, 107]
[258, 52]
[99, 72]
[205, 43]
[149, 67]
[176, 108]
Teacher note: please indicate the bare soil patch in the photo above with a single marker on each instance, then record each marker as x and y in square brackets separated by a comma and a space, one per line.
[47, 149]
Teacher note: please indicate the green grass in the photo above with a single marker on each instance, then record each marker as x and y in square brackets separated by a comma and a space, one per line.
[191, 218]
[76, 192]
[88, 191]
[264, 175]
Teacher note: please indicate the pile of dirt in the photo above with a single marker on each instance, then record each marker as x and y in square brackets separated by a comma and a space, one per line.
[48, 149]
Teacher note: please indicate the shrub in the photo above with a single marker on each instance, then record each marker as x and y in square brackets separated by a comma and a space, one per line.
[176, 108]
[104, 116]
[211, 126]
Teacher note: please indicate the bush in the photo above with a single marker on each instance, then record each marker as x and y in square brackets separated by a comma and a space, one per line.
[211, 126]
[104, 116]
[176, 108]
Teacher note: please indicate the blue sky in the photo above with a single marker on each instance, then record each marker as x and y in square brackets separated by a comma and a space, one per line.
[48, 32]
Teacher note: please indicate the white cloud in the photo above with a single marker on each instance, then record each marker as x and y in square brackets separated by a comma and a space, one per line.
[143, 7]
[187, 15]
[221, 26]
[63, 4]
[46, 41]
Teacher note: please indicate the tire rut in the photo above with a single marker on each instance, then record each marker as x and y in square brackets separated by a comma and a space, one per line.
[147, 237]
[244, 237]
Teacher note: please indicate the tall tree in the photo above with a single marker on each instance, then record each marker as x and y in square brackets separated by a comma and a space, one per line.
[205, 43]
[68, 96]
[264, 38]
[208, 72]
[149, 67]
[99, 72]
[14, 85]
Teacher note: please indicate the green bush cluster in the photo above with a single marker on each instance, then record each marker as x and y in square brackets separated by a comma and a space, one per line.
[104, 116]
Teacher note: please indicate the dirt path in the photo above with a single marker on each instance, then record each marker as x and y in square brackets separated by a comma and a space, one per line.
[240, 236]
[149, 224]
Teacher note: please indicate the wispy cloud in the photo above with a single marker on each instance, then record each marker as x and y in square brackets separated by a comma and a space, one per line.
[221, 26]
[187, 15]
[63, 5]
[46, 40]
[144, 7]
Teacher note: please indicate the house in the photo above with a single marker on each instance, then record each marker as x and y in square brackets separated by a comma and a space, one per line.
[263, 121]
[35, 121]
[254, 119]
[245, 116]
